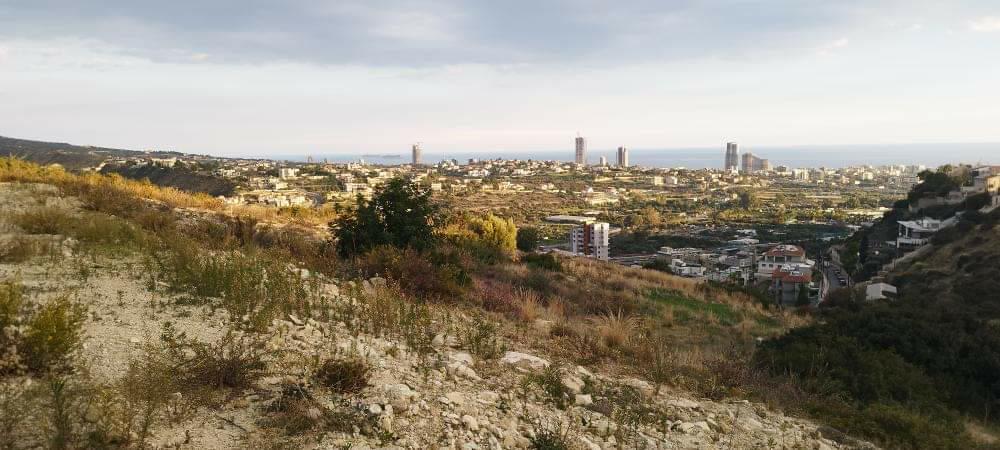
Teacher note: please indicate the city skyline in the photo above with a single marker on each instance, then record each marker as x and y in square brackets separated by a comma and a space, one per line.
[305, 77]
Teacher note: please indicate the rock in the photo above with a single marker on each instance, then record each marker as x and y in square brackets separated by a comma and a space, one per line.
[573, 383]
[295, 320]
[314, 413]
[134, 340]
[583, 399]
[693, 427]
[488, 397]
[524, 361]
[684, 403]
[400, 395]
[442, 340]
[470, 422]
[456, 398]
[462, 357]
[582, 372]
[375, 409]
[588, 444]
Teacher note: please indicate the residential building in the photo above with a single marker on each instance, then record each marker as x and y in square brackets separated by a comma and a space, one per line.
[622, 160]
[751, 163]
[880, 291]
[789, 283]
[581, 151]
[604, 161]
[778, 256]
[591, 240]
[287, 173]
[732, 157]
[915, 233]
[416, 153]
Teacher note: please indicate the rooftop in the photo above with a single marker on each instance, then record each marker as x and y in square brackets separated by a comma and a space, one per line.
[785, 250]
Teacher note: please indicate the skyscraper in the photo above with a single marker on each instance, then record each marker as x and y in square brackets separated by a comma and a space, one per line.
[604, 161]
[622, 156]
[416, 153]
[581, 150]
[732, 157]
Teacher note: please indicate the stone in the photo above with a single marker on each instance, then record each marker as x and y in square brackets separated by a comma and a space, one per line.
[488, 397]
[524, 361]
[455, 397]
[470, 422]
[684, 403]
[583, 399]
[295, 320]
[588, 444]
[693, 427]
[573, 383]
[462, 357]
[375, 408]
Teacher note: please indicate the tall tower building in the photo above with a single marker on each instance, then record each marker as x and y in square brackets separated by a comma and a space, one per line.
[416, 153]
[732, 157]
[622, 156]
[581, 150]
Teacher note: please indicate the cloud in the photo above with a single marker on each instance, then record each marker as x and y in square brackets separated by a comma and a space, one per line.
[829, 47]
[985, 24]
[423, 33]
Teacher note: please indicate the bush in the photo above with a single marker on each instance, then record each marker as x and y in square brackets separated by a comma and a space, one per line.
[52, 334]
[344, 376]
[546, 261]
[235, 362]
[439, 275]
[481, 339]
[43, 220]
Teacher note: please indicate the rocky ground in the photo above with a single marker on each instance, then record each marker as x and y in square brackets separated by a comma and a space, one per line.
[442, 398]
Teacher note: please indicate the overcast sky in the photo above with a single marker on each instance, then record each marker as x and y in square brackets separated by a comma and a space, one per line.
[259, 77]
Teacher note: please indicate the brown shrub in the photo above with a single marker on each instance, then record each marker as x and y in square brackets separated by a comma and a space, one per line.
[344, 375]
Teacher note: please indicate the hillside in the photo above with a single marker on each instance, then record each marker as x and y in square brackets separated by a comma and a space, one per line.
[180, 178]
[72, 157]
[142, 317]
[921, 370]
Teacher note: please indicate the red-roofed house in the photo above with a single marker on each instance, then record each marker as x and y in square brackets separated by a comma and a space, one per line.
[788, 281]
[778, 256]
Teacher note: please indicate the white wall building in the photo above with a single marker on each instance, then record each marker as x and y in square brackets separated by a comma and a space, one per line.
[591, 240]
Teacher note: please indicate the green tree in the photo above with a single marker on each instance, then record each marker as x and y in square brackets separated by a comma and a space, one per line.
[400, 214]
[496, 232]
[528, 239]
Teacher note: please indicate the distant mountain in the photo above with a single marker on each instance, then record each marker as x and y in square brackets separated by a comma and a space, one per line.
[72, 157]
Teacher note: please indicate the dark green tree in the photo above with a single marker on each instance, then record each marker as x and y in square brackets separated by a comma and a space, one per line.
[400, 214]
[528, 239]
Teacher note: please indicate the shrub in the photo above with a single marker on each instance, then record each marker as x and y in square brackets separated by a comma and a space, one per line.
[345, 376]
[481, 339]
[439, 275]
[550, 381]
[546, 261]
[19, 249]
[53, 333]
[43, 220]
[547, 439]
[236, 361]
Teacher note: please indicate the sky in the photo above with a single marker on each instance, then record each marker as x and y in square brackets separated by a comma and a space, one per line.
[292, 77]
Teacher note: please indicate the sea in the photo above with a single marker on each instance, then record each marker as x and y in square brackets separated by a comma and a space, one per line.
[829, 156]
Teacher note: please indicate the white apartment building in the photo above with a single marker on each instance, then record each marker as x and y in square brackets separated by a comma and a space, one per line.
[591, 240]
[778, 256]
